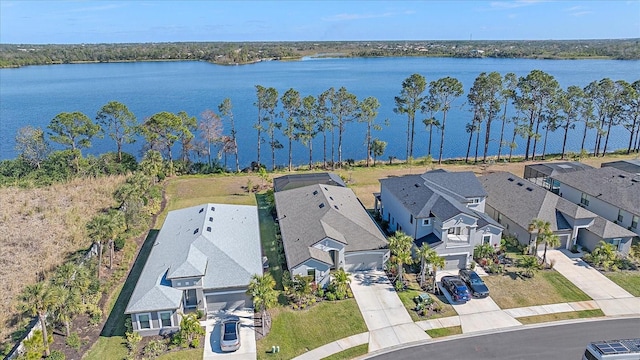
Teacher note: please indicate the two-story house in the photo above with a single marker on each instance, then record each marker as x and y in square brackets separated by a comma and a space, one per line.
[203, 258]
[325, 227]
[609, 192]
[515, 203]
[442, 209]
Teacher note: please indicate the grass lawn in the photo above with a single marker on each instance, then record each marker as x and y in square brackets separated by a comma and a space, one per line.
[302, 330]
[350, 353]
[414, 290]
[560, 316]
[628, 280]
[268, 239]
[546, 287]
[453, 330]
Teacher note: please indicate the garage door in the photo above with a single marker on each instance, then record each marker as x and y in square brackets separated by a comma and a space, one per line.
[362, 261]
[227, 301]
[563, 241]
[455, 262]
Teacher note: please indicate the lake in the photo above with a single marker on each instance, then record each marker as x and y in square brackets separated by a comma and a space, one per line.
[34, 95]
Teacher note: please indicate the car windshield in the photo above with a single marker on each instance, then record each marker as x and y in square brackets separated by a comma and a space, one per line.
[476, 282]
[462, 289]
[230, 331]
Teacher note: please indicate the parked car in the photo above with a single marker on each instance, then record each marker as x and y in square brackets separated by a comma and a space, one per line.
[457, 288]
[475, 283]
[230, 334]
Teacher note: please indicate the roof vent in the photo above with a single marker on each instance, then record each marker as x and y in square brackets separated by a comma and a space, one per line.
[326, 188]
[315, 192]
[621, 176]
[336, 206]
[321, 205]
[196, 230]
[201, 210]
[213, 208]
[209, 228]
[416, 185]
[520, 184]
[529, 189]
[331, 197]
[510, 179]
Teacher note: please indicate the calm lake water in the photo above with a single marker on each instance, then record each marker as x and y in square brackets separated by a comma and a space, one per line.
[34, 95]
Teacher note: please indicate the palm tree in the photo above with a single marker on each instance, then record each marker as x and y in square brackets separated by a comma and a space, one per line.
[38, 300]
[427, 256]
[400, 245]
[549, 239]
[106, 227]
[540, 227]
[264, 296]
[437, 262]
[529, 264]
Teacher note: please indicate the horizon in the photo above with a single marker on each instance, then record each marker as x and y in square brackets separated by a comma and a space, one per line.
[122, 22]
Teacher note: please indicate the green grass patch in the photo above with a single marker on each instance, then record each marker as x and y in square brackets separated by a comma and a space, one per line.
[546, 287]
[268, 238]
[297, 332]
[107, 348]
[626, 279]
[350, 353]
[182, 355]
[560, 316]
[414, 290]
[448, 331]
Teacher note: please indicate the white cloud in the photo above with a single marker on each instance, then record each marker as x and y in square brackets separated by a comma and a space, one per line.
[347, 17]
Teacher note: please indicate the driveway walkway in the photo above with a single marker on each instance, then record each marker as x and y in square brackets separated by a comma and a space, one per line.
[387, 319]
[247, 349]
[611, 298]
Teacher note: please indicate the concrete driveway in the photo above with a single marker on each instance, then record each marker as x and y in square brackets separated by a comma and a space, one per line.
[477, 314]
[388, 321]
[247, 337]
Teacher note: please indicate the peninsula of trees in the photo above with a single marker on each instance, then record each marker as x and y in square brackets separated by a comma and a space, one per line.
[226, 53]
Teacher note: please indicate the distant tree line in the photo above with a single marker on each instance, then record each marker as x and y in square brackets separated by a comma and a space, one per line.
[14, 55]
[534, 104]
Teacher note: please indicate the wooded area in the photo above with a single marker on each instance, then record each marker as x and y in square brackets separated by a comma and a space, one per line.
[224, 53]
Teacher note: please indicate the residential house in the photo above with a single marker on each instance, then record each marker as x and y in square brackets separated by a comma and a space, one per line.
[631, 166]
[609, 192]
[325, 227]
[541, 174]
[515, 203]
[202, 258]
[442, 209]
[293, 181]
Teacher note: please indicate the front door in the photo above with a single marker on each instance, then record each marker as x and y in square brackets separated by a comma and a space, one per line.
[190, 298]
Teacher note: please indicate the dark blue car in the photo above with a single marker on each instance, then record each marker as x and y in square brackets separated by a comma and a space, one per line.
[477, 286]
[457, 288]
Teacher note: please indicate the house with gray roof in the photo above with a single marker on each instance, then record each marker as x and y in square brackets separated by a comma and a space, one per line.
[515, 202]
[442, 209]
[609, 192]
[203, 258]
[325, 227]
[630, 165]
[293, 181]
[541, 174]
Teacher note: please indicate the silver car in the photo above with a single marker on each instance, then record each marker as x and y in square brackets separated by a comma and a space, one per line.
[230, 334]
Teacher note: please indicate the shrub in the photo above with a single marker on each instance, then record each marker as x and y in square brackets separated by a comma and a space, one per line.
[154, 348]
[200, 314]
[398, 286]
[132, 339]
[331, 296]
[195, 343]
[56, 355]
[320, 293]
[73, 341]
[118, 243]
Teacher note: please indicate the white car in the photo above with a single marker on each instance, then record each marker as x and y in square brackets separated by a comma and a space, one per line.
[230, 334]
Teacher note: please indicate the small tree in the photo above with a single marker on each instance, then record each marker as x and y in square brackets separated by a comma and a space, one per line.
[400, 245]
[377, 149]
[38, 300]
[604, 255]
[341, 282]
[483, 251]
[529, 265]
[262, 291]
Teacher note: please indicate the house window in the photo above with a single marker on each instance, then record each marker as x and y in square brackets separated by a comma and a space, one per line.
[454, 231]
[616, 242]
[584, 199]
[312, 273]
[144, 321]
[411, 219]
[499, 218]
[620, 216]
[634, 222]
[426, 222]
[166, 319]
[486, 239]
[475, 201]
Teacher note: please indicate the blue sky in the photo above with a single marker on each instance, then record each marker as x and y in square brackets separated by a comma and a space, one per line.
[86, 21]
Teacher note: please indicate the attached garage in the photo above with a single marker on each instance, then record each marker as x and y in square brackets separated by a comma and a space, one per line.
[228, 301]
[359, 261]
[455, 262]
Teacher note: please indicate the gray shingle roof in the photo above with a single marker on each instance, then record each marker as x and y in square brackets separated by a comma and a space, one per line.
[553, 168]
[288, 182]
[219, 242]
[423, 201]
[608, 184]
[607, 230]
[460, 183]
[312, 213]
[631, 166]
[522, 201]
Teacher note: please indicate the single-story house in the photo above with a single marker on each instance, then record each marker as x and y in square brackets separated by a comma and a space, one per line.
[515, 202]
[203, 258]
[442, 209]
[325, 227]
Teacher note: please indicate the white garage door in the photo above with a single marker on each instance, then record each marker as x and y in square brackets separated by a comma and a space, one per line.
[362, 261]
[455, 262]
[227, 301]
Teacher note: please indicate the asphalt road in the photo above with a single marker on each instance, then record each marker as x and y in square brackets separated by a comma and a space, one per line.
[566, 341]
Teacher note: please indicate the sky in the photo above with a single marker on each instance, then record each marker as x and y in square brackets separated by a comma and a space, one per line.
[92, 21]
